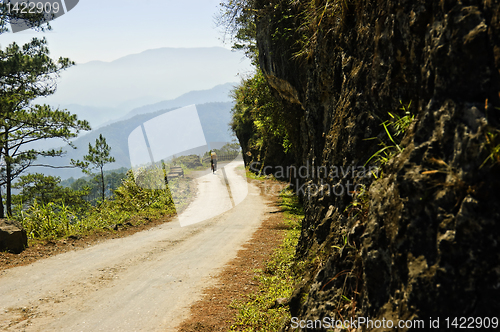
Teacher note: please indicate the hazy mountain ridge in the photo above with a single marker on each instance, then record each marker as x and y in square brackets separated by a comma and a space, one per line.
[103, 116]
[219, 93]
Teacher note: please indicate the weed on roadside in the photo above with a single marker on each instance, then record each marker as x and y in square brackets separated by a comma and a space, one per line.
[256, 176]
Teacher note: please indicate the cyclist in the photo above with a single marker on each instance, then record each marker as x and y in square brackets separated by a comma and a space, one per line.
[213, 161]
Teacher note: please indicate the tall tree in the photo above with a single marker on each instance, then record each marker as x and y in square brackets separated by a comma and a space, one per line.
[27, 73]
[98, 156]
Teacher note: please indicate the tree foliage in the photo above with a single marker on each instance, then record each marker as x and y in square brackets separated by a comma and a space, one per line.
[264, 123]
[28, 72]
[259, 117]
[45, 189]
[113, 180]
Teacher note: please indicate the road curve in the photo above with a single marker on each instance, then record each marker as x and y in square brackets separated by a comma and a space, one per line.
[145, 282]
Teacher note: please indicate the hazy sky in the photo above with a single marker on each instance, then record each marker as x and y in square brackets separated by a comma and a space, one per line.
[109, 29]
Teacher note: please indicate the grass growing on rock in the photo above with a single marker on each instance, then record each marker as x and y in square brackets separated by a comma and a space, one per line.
[261, 311]
[398, 125]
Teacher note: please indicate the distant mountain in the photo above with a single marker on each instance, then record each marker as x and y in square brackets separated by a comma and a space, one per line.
[103, 116]
[214, 118]
[219, 93]
[153, 75]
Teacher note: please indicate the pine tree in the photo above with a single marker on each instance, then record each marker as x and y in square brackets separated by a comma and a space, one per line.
[98, 156]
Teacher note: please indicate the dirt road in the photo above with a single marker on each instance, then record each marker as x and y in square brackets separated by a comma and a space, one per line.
[144, 282]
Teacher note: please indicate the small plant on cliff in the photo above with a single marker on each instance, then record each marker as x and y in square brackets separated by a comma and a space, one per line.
[401, 124]
[398, 126]
[360, 203]
[493, 144]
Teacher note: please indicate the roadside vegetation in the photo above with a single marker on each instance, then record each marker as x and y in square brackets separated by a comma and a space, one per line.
[266, 309]
[73, 215]
[51, 209]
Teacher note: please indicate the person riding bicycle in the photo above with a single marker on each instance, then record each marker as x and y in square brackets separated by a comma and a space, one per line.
[213, 161]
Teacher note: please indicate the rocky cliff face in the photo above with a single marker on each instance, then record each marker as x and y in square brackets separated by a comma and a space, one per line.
[422, 239]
